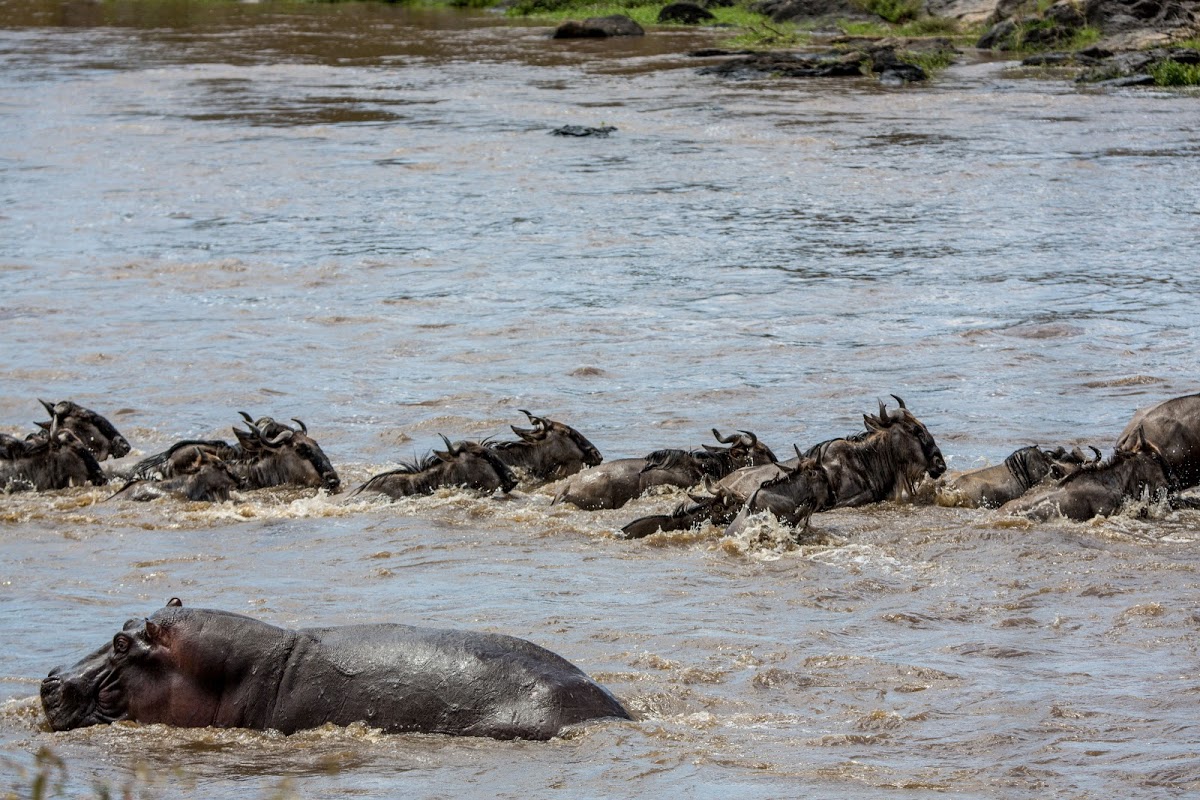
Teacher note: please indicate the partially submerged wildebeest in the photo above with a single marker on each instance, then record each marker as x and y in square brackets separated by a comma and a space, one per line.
[1137, 472]
[205, 478]
[468, 464]
[884, 463]
[286, 456]
[548, 451]
[791, 491]
[615, 483]
[54, 460]
[1172, 426]
[992, 487]
[97, 433]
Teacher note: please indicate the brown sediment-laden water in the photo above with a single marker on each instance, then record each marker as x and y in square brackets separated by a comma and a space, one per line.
[354, 214]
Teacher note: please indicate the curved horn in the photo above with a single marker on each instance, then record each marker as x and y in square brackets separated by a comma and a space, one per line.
[303, 427]
[249, 419]
[884, 418]
[752, 439]
[538, 421]
[1099, 455]
[449, 447]
[723, 439]
[49, 408]
[899, 402]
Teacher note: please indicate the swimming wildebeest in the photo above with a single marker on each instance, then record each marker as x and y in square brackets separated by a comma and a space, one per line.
[1137, 472]
[791, 491]
[56, 459]
[884, 463]
[468, 464]
[1172, 426]
[615, 483]
[548, 451]
[97, 433]
[207, 478]
[992, 487]
[193, 667]
[289, 456]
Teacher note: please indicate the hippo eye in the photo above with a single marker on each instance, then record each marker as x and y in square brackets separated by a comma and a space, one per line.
[121, 643]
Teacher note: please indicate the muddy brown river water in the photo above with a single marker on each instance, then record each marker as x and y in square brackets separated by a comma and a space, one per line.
[355, 215]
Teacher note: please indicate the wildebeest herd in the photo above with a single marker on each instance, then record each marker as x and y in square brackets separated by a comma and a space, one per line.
[1156, 457]
[198, 667]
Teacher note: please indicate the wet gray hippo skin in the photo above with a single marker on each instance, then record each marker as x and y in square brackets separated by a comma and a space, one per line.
[193, 667]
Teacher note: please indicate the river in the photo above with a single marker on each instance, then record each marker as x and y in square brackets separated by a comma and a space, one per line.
[355, 214]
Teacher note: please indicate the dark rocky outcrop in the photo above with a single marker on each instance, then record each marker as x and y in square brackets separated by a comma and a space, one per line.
[685, 13]
[1134, 68]
[599, 27]
[858, 58]
[1125, 24]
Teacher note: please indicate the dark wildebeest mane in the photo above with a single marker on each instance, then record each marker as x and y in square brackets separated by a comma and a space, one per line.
[1020, 466]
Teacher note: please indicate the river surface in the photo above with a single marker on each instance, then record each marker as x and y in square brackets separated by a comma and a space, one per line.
[356, 215]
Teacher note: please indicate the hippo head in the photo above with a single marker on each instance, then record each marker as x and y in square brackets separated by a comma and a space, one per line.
[96, 690]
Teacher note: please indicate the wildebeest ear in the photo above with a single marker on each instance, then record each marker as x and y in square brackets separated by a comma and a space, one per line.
[872, 423]
[712, 448]
[444, 456]
[174, 602]
[44, 425]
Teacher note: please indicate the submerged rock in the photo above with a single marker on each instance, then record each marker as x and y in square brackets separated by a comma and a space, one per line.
[583, 130]
[599, 27]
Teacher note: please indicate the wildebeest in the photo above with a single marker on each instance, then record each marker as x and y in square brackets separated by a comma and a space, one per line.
[615, 483]
[548, 451]
[287, 457]
[97, 433]
[992, 487]
[206, 478]
[791, 492]
[55, 460]
[468, 464]
[1172, 426]
[885, 463]
[1139, 472]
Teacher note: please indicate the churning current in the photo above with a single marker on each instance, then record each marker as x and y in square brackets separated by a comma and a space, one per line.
[356, 215]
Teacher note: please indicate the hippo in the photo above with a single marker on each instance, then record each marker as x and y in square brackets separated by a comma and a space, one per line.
[194, 667]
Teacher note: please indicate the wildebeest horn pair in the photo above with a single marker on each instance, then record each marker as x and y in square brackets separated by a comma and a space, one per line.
[747, 439]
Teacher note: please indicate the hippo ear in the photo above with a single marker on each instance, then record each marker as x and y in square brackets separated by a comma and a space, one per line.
[174, 602]
[154, 633]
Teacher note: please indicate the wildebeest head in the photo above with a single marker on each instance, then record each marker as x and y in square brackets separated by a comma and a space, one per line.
[290, 456]
[554, 448]
[96, 432]
[54, 460]
[745, 450]
[914, 443]
[476, 465]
